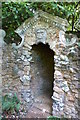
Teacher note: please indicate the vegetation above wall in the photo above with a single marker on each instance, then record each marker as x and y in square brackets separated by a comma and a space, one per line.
[15, 13]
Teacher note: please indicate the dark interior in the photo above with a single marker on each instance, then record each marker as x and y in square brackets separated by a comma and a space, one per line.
[42, 69]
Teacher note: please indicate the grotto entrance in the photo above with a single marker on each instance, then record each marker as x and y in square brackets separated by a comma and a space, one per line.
[42, 70]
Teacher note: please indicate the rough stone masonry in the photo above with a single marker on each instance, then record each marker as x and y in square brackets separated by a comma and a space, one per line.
[16, 60]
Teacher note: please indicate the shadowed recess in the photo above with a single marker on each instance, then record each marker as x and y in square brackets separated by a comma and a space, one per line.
[42, 70]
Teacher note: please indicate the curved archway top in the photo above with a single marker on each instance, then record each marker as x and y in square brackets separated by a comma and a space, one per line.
[43, 34]
[45, 28]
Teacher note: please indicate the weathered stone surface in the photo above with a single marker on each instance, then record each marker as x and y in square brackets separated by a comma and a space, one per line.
[27, 68]
[26, 95]
[25, 79]
[66, 64]
[64, 86]
[57, 89]
[29, 59]
[64, 57]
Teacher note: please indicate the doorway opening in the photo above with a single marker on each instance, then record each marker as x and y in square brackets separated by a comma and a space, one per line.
[42, 72]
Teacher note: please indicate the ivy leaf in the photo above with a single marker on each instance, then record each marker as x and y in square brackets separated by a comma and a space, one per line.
[15, 16]
[17, 107]
[6, 106]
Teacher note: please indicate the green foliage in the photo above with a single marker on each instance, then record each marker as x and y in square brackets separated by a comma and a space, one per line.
[70, 11]
[15, 13]
[55, 118]
[10, 103]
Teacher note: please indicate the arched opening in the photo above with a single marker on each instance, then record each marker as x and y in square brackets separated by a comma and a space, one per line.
[42, 72]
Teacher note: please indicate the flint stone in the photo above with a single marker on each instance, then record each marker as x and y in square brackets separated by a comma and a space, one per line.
[57, 89]
[15, 70]
[65, 86]
[72, 70]
[27, 100]
[26, 95]
[28, 46]
[26, 62]
[27, 68]
[20, 73]
[56, 95]
[27, 73]
[24, 79]
[64, 57]
[58, 73]
[18, 60]
[28, 56]
[70, 98]
[25, 53]
[64, 62]
[58, 105]
[22, 57]
[29, 59]
[27, 77]
[58, 65]
[56, 99]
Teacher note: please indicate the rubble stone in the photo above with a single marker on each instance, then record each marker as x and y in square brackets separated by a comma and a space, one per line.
[66, 76]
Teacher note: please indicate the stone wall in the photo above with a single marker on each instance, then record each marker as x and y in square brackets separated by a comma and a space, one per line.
[66, 83]
[16, 77]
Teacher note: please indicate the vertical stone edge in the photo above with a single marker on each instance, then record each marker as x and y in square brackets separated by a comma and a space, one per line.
[2, 35]
[0, 62]
[79, 82]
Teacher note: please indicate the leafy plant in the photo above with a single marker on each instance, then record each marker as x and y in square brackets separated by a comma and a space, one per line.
[10, 103]
[15, 13]
[55, 118]
[67, 10]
